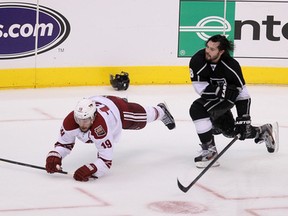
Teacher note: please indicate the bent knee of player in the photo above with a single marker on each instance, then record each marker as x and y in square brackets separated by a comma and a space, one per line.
[197, 111]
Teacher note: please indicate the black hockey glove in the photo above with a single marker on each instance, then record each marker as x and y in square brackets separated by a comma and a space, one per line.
[243, 126]
[228, 92]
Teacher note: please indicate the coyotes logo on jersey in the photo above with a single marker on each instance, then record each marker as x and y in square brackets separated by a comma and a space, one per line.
[99, 131]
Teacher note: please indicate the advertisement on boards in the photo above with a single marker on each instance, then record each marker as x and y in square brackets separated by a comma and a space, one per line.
[31, 29]
[259, 29]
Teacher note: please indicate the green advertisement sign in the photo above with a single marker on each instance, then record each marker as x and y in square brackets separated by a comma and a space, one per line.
[199, 20]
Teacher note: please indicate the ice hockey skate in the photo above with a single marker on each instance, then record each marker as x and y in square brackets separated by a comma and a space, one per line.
[270, 135]
[167, 119]
[206, 156]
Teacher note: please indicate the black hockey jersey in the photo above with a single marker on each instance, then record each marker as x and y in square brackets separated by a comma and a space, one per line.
[207, 76]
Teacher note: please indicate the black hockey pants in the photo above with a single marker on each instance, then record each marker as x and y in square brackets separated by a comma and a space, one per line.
[219, 113]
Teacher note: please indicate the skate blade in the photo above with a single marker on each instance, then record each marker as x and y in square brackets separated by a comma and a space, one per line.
[275, 132]
[204, 164]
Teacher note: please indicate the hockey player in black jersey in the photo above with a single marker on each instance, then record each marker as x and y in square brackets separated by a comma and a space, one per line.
[217, 78]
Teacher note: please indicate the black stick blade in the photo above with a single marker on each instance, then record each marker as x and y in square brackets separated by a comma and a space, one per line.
[181, 187]
[185, 189]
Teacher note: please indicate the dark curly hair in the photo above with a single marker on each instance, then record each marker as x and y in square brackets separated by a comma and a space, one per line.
[225, 44]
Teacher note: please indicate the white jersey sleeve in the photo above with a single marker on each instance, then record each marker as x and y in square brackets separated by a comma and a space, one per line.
[104, 133]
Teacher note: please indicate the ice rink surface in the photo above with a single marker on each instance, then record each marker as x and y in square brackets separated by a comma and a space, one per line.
[143, 179]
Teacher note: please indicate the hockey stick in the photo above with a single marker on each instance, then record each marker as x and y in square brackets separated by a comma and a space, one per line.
[185, 189]
[29, 165]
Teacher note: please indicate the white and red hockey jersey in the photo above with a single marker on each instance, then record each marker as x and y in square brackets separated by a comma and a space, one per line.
[104, 133]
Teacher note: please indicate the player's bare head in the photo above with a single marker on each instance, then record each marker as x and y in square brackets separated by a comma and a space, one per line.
[84, 114]
[224, 43]
[216, 46]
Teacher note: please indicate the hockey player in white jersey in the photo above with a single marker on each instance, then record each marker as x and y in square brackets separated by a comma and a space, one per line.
[100, 120]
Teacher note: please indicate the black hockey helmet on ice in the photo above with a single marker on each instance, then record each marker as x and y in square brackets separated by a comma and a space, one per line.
[120, 81]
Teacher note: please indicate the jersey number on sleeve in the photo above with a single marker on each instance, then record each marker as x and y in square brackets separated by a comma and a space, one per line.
[106, 144]
[62, 132]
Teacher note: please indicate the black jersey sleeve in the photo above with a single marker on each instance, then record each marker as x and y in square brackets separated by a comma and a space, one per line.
[233, 71]
[196, 65]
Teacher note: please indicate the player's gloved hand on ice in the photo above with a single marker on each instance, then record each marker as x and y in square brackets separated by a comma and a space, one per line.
[228, 92]
[53, 162]
[84, 172]
[243, 126]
